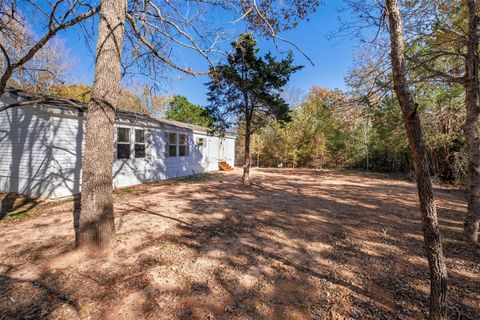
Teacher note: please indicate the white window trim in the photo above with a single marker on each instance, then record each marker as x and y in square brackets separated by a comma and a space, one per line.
[177, 144]
[166, 136]
[186, 144]
[132, 142]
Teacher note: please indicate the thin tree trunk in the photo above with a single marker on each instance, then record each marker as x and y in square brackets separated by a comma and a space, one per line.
[431, 233]
[96, 231]
[248, 132]
[248, 160]
[472, 220]
[366, 144]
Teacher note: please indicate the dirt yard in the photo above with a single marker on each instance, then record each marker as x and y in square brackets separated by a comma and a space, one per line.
[297, 244]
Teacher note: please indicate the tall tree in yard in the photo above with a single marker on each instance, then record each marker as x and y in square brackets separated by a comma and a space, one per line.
[247, 89]
[431, 233]
[96, 224]
[471, 84]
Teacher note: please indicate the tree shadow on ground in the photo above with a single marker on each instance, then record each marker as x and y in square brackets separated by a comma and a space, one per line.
[13, 205]
[358, 242]
[41, 298]
[296, 244]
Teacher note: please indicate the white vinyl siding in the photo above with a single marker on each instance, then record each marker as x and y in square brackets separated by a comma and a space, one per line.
[41, 153]
[25, 151]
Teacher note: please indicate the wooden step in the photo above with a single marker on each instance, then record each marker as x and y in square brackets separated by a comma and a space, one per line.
[222, 165]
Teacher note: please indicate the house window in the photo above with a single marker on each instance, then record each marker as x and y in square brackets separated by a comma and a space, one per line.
[182, 145]
[201, 144]
[171, 146]
[140, 143]
[176, 145]
[123, 143]
[131, 147]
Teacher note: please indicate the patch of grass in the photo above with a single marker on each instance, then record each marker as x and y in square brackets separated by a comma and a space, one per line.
[24, 201]
[128, 190]
[459, 236]
[20, 215]
[452, 294]
[23, 208]
[121, 238]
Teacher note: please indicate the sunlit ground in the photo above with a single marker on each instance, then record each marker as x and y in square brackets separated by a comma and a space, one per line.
[297, 244]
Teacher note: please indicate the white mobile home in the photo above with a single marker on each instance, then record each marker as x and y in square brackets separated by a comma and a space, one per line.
[42, 138]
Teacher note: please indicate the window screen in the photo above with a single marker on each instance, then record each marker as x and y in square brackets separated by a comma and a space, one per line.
[140, 136]
[140, 143]
[182, 145]
[139, 151]
[123, 151]
[131, 143]
[171, 144]
[123, 143]
[123, 135]
[172, 138]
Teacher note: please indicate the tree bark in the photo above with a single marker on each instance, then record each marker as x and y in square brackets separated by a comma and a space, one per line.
[471, 85]
[431, 233]
[96, 232]
[248, 160]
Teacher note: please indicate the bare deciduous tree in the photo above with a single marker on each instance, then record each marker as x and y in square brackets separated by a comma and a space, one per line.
[50, 67]
[53, 16]
[431, 233]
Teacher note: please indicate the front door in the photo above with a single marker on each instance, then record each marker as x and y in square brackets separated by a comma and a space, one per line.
[221, 150]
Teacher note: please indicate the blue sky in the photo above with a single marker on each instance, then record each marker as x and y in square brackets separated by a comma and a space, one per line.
[332, 58]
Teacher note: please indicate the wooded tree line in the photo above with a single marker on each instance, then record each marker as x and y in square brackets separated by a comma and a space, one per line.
[329, 129]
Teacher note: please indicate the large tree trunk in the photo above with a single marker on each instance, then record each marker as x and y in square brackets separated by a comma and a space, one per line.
[471, 85]
[431, 233]
[248, 158]
[96, 231]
